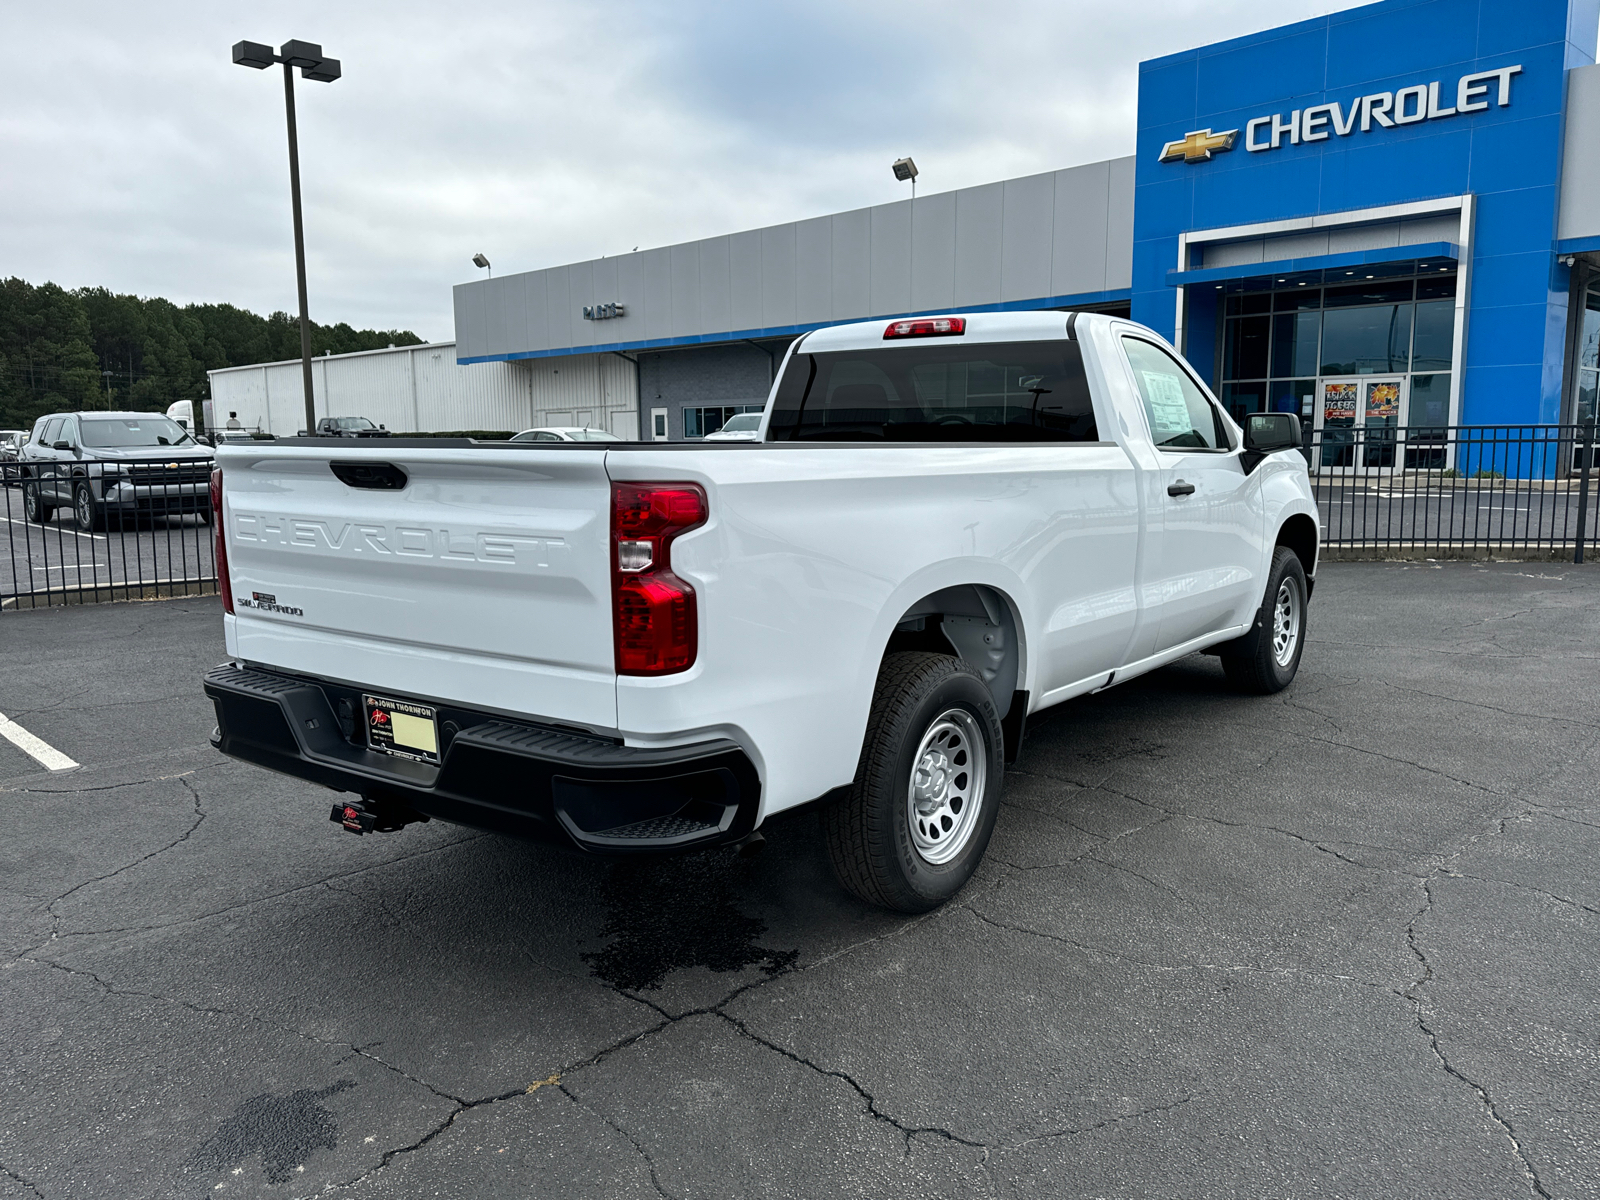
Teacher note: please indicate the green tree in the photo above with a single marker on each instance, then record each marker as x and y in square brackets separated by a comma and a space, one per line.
[46, 357]
[94, 348]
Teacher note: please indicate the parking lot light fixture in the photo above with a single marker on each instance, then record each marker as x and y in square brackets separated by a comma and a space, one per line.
[905, 169]
[319, 68]
[481, 261]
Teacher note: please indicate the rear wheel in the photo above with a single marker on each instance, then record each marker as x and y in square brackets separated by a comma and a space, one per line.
[33, 505]
[920, 812]
[1276, 658]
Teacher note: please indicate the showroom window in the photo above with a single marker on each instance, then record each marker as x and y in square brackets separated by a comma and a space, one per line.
[1588, 380]
[1280, 335]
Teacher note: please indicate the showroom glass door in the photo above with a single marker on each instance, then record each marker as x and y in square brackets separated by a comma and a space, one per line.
[1359, 419]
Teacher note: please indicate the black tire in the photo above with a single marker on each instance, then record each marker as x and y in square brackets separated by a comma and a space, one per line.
[870, 834]
[88, 514]
[1271, 665]
[33, 504]
[205, 515]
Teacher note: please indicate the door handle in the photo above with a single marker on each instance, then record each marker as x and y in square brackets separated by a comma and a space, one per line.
[1180, 489]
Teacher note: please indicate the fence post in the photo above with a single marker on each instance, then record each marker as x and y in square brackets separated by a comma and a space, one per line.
[1583, 490]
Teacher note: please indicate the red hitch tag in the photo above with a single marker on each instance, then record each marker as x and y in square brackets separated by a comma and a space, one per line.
[354, 819]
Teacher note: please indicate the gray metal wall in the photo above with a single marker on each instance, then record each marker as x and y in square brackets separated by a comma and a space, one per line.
[1061, 234]
[728, 374]
[1580, 159]
[422, 388]
[1413, 231]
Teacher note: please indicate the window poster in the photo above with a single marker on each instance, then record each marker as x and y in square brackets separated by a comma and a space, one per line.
[1169, 413]
[1339, 403]
[1383, 402]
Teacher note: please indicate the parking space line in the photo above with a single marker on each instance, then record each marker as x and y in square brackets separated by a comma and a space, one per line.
[35, 748]
[93, 537]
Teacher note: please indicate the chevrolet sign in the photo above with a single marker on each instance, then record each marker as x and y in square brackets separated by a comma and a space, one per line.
[1409, 105]
[1198, 146]
[1318, 122]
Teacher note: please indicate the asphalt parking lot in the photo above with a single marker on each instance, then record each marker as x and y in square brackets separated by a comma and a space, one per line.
[1340, 942]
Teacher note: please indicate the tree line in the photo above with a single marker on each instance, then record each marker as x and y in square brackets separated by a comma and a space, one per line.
[90, 348]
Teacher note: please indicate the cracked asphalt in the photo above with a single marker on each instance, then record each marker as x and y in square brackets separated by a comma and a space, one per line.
[1339, 942]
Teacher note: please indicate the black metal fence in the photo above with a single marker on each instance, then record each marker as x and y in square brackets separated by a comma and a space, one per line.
[1514, 491]
[77, 533]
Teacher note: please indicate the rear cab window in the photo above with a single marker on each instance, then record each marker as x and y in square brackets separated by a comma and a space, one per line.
[1027, 391]
[1181, 417]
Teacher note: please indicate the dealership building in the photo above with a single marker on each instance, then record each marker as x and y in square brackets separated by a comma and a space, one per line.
[1389, 215]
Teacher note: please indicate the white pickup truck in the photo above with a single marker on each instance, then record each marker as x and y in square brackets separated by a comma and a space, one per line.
[947, 524]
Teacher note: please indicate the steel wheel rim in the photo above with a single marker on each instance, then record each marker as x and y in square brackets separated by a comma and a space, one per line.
[1286, 623]
[30, 502]
[85, 507]
[945, 792]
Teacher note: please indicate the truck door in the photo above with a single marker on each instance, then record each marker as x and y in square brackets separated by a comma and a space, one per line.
[1207, 552]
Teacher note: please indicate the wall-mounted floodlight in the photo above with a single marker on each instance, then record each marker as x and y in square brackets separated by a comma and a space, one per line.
[316, 66]
[481, 261]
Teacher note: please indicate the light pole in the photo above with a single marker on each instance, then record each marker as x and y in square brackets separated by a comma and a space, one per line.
[482, 263]
[309, 58]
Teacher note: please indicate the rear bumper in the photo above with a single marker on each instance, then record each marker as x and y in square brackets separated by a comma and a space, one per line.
[495, 774]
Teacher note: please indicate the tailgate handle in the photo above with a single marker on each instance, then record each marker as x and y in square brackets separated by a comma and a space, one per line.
[380, 476]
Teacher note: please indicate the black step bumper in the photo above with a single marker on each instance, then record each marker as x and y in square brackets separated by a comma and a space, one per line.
[495, 774]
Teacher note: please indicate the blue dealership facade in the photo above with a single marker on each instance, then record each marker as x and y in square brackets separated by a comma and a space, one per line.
[1388, 206]
[1385, 216]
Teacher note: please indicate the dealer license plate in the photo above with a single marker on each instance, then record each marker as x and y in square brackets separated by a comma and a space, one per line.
[401, 728]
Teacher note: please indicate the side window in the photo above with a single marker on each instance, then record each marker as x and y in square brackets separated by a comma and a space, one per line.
[52, 431]
[69, 432]
[1181, 418]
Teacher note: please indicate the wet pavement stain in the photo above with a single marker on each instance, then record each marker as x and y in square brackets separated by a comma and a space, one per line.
[283, 1130]
[670, 914]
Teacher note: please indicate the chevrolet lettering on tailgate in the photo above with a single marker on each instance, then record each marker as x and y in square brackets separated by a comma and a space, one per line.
[411, 541]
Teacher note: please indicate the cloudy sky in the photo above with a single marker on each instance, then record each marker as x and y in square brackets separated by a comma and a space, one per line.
[547, 131]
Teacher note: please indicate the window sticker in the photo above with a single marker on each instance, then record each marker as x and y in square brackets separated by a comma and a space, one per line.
[1169, 413]
[1383, 402]
[1339, 404]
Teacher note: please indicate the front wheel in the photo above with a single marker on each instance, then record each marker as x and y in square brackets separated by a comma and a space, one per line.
[920, 812]
[1271, 667]
[88, 515]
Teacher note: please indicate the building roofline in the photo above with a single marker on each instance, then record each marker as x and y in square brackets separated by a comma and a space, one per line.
[333, 357]
[742, 335]
[843, 212]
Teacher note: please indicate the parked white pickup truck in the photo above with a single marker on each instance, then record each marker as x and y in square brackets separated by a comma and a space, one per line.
[948, 524]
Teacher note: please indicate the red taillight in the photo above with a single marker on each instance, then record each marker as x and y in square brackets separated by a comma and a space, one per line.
[655, 623]
[224, 584]
[926, 327]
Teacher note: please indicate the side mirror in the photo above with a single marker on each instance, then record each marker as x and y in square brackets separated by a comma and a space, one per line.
[1267, 433]
[61, 445]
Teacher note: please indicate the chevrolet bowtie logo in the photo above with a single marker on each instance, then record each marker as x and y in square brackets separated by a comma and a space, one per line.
[1199, 146]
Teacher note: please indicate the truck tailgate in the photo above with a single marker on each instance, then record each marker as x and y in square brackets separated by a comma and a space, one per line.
[484, 580]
